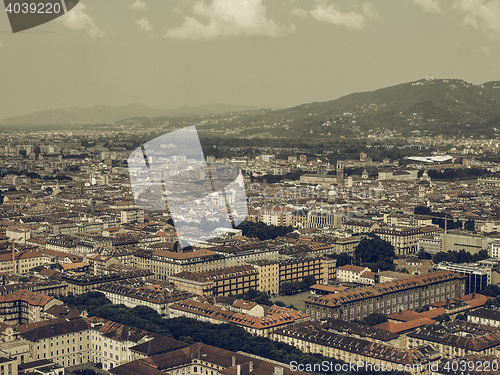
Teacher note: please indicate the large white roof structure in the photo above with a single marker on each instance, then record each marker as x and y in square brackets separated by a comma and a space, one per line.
[430, 159]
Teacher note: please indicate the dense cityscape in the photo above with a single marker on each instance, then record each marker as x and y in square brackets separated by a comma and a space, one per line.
[385, 263]
[249, 187]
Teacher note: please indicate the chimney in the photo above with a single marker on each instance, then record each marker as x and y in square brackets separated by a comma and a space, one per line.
[238, 370]
[278, 370]
[233, 361]
[250, 366]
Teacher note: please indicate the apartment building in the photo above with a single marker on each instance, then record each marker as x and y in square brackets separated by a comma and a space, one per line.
[64, 243]
[83, 284]
[223, 282]
[268, 276]
[296, 268]
[405, 240]
[204, 359]
[489, 317]
[346, 244]
[477, 276]
[131, 215]
[495, 249]
[165, 263]
[111, 342]
[84, 340]
[351, 274]
[457, 338]
[386, 298]
[8, 366]
[324, 219]
[350, 343]
[22, 263]
[25, 306]
[359, 226]
[258, 324]
[157, 299]
[66, 342]
[402, 220]
[276, 215]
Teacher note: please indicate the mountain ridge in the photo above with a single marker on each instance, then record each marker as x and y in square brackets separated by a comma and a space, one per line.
[111, 114]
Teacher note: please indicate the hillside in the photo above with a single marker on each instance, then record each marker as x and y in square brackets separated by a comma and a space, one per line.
[448, 107]
[109, 114]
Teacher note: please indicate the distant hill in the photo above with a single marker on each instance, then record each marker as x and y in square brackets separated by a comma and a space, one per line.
[108, 114]
[439, 106]
[449, 107]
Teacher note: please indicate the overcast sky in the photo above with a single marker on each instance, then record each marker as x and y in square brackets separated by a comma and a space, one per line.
[273, 53]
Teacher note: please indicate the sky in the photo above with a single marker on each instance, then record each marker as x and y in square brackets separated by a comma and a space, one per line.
[270, 53]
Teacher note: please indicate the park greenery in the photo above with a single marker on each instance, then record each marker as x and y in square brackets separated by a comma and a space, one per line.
[293, 287]
[263, 231]
[343, 259]
[491, 291]
[457, 173]
[375, 253]
[461, 256]
[262, 298]
[272, 179]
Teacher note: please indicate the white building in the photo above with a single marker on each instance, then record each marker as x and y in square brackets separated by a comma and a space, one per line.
[495, 249]
[351, 274]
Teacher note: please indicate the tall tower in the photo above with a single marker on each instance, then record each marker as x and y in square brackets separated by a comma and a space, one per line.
[340, 172]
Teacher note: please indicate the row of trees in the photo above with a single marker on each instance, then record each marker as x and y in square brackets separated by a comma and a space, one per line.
[262, 298]
[454, 256]
[293, 287]
[458, 173]
[263, 231]
[272, 179]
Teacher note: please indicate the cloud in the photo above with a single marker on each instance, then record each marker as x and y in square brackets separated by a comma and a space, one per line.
[144, 24]
[138, 5]
[355, 19]
[225, 18]
[483, 15]
[78, 19]
[429, 6]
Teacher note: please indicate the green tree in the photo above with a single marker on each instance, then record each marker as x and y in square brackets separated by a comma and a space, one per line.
[375, 253]
[422, 254]
[443, 318]
[374, 319]
[470, 225]
[491, 291]
[342, 259]
[263, 231]
[461, 317]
